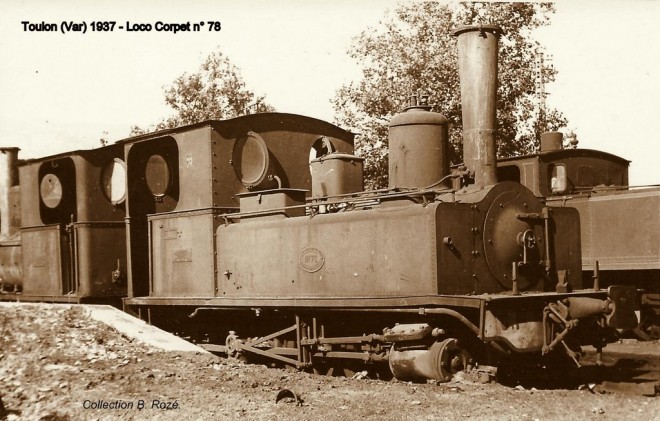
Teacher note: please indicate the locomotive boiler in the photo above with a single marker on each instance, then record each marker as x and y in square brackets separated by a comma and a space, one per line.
[418, 280]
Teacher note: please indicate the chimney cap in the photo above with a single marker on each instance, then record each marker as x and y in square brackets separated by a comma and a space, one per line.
[496, 29]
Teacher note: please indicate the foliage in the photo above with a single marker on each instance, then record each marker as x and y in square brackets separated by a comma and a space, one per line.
[216, 91]
[413, 49]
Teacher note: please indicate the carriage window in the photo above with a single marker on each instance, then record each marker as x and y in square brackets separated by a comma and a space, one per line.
[51, 191]
[587, 177]
[113, 181]
[615, 177]
[508, 173]
[558, 181]
[157, 175]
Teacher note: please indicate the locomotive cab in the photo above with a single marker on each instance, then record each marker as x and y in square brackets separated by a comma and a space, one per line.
[560, 172]
[72, 207]
[186, 182]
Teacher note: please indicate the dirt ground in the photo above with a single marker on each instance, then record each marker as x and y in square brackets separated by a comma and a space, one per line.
[57, 364]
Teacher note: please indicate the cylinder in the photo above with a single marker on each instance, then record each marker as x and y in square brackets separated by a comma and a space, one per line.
[8, 179]
[477, 65]
[418, 143]
[552, 141]
[439, 362]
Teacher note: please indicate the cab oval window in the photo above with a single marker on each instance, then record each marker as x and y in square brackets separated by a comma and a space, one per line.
[157, 175]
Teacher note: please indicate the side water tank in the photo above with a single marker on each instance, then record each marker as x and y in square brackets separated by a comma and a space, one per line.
[418, 141]
[335, 174]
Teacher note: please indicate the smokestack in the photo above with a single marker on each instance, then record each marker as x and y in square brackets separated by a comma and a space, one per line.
[8, 179]
[477, 65]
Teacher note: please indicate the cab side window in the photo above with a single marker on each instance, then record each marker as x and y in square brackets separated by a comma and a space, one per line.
[558, 179]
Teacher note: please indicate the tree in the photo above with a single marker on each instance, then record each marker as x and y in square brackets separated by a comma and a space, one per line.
[413, 49]
[216, 91]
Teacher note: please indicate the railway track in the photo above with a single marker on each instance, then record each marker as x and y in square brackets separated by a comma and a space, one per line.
[629, 367]
[76, 359]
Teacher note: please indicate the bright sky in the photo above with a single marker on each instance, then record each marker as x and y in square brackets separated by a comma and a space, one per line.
[60, 92]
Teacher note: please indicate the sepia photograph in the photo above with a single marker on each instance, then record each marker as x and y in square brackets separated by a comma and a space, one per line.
[307, 210]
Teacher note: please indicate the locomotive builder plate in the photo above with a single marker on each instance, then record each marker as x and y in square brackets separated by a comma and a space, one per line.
[311, 259]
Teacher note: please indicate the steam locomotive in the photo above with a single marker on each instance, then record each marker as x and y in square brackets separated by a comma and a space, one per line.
[255, 236]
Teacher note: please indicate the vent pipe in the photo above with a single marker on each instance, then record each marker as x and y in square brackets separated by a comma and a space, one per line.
[8, 179]
[552, 141]
[477, 65]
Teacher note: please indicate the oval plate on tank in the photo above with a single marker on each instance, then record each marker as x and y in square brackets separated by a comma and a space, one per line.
[311, 259]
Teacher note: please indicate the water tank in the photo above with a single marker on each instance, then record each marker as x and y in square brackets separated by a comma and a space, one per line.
[272, 204]
[336, 174]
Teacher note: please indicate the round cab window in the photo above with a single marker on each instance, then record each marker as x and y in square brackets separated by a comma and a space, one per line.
[51, 191]
[250, 159]
[113, 181]
[157, 175]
